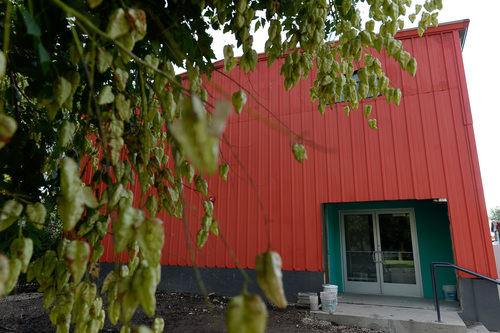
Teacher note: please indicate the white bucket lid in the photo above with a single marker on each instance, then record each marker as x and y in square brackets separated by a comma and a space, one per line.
[330, 286]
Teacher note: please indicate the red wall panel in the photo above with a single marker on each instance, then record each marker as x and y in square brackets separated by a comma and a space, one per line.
[423, 149]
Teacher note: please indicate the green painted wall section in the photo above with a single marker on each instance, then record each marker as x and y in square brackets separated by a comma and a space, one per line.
[433, 234]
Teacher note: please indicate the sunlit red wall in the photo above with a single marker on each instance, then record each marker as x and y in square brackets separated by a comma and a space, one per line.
[423, 149]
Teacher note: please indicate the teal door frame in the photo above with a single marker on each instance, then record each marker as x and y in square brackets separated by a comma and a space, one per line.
[433, 237]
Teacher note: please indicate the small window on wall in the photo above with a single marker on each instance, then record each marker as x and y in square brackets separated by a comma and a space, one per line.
[355, 77]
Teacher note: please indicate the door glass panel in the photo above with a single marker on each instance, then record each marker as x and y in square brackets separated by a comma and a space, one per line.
[395, 240]
[359, 248]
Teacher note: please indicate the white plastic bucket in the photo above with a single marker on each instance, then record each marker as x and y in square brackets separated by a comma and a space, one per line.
[328, 301]
[331, 288]
[450, 292]
[313, 300]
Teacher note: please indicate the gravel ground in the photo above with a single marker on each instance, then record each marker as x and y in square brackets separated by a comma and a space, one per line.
[181, 312]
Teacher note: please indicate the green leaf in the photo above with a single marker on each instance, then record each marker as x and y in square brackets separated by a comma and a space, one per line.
[223, 171]
[373, 124]
[9, 214]
[123, 230]
[221, 113]
[88, 197]
[114, 312]
[104, 60]
[14, 271]
[396, 96]
[106, 96]
[4, 274]
[8, 127]
[137, 18]
[206, 222]
[97, 252]
[201, 185]
[121, 78]
[229, 60]
[239, 99]
[150, 237]
[22, 249]
[412, 67]
[299, 152]
[378, 43]
[214, 227]
[208, 206]
[367, 110]
[61, 90]
[32, 27]
[3, 64]
[108, 281]
[71, 200]
[246, 314]
[269, 276]
[43, 55]
[152, 205]
[77, 254]
[66, 132]
[129, 299]
[118, 24]
[94, 3]
[122, 104]
[144, 283]
[193, 134]
[201, 238]
[158, 325]
[48, 297]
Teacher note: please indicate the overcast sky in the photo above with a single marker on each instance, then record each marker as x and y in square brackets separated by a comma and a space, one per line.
[482, 72]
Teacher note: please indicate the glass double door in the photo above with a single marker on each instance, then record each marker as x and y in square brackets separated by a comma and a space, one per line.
[380, 254]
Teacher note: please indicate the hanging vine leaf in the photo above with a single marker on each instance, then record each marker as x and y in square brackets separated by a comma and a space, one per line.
[299, 152]
[239, 100]
[9, 214]
[246, 314]
[8, 127]
[269, 277]
[77, 254]
[223, 171]
[3, 64]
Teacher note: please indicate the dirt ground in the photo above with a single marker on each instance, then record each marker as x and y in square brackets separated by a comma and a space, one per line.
[181, 312]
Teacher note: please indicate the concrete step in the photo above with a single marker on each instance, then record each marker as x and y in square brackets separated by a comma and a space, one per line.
[393, 319]
[476, 327]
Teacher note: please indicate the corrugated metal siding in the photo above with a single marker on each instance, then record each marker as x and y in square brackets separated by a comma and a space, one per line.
[423, 149]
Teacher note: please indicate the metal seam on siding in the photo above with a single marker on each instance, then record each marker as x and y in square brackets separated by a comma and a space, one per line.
[304, 203]
[292, 185]
[464, 236]
[426, 144]
[395, 145]
[369, 172]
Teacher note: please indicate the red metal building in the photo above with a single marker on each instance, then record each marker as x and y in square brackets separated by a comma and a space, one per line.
[418, 172]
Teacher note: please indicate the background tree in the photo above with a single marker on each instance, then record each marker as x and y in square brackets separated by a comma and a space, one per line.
[494, 214]
[91, 85]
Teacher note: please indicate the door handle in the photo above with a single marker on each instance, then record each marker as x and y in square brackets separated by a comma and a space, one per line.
[374, 257]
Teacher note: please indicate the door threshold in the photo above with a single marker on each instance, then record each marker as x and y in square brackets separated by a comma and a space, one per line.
[397, 301]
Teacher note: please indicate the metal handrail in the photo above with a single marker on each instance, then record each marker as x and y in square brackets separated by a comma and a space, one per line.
[434, 283]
